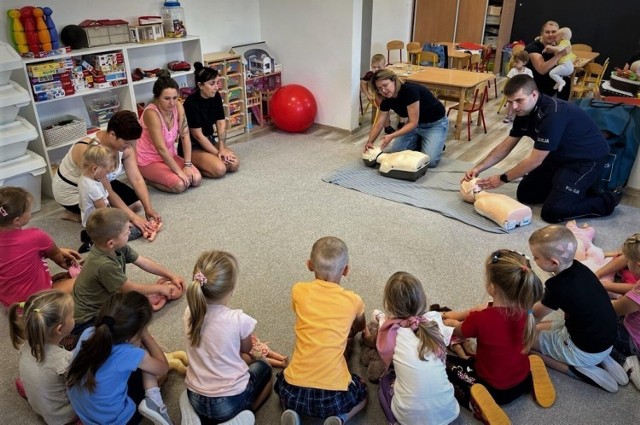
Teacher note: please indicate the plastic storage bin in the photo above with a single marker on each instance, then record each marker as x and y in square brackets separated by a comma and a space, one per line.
[102, 109]
[9, 60]
[25, 172]
[63, 129]
[12, 98]
[14, 138]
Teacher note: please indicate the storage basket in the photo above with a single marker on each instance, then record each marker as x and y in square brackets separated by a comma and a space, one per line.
[102, 109]
[63, 129]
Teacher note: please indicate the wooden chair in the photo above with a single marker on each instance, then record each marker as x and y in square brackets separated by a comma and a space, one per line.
[430, 58]
[474, 62]
[581, 48]
[590, 80]
[487, 55]
[413, 50]
[394, 45]
[479, 98]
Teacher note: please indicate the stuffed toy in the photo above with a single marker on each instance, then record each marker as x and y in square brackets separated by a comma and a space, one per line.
[151, 236]
[505, 211]
[404, 165]
[178, 361]
[158, 301]
[260, 350]
[461, 347]
[369, 356]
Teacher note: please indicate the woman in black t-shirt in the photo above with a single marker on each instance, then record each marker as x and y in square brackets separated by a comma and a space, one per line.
[204, 110]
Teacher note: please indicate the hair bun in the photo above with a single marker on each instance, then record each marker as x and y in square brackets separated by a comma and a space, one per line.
[163, 73]
[198, 66]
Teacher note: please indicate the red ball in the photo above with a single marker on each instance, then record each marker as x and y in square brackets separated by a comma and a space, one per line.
[293, 108]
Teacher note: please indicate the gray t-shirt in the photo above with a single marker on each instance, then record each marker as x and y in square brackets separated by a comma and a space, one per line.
[44, 383]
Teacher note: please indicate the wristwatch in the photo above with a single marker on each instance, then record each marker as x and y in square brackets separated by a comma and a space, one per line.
[504, 178]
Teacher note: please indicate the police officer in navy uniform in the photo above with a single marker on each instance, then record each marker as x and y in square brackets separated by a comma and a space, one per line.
[567, 158]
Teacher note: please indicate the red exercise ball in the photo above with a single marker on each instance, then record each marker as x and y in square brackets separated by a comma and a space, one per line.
[293, 108]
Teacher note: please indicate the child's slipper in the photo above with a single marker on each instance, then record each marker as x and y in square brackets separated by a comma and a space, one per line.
[543, 390]
[487, 409]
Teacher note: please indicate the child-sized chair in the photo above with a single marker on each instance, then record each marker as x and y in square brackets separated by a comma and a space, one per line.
[428, 58]
[479, 98]
[394, 45]
[413, 50]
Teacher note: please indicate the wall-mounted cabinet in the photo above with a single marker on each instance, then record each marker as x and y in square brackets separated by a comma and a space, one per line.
[91, 104]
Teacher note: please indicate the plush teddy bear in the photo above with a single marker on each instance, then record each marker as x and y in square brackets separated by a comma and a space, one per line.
[178, 361]
[369, 356]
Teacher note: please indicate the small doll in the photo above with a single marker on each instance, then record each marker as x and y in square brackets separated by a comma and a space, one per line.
[150, 236]
[462, 347]
[158, 301]
[260, 350]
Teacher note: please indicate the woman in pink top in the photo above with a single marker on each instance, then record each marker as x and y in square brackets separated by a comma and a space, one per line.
[163, 121]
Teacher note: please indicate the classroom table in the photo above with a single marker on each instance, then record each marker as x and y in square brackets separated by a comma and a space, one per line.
[453, 80]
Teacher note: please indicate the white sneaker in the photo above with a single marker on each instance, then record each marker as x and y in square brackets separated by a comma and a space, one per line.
[632, 366]
[333, 420]
[156, 414]
[189, 416]
[615, 370]
[243, 418]
[595, 376]
[289, 417]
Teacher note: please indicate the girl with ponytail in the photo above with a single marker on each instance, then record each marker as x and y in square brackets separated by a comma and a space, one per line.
[117, 366]
[501, 370]
[222, 380]
[412, 346]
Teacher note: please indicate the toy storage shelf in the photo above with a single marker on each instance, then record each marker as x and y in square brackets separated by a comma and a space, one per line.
[230, 69]
[148, 55]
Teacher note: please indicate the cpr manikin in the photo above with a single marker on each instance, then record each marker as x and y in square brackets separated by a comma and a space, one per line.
[502, 209]
[404, 165]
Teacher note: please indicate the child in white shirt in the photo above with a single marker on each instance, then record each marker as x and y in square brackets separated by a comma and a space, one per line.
[520, 61]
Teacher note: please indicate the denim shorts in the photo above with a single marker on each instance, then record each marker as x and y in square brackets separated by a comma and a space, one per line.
[220, 409]
[427, 138]
[558, 345]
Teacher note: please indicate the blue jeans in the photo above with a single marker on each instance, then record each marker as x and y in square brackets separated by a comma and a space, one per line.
[220, 409]
[426, 138]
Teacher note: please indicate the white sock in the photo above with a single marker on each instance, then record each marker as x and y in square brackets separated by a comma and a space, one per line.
[154, 394]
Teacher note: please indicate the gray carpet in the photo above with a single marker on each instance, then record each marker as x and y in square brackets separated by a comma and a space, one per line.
[438, 190]
[270, 213]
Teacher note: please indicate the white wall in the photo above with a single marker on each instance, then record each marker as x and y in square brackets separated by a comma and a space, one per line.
[221, 24]
[318, 43]
[391, 20]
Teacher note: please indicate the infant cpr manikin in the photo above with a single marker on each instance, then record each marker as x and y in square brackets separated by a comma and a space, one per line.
[404, 165]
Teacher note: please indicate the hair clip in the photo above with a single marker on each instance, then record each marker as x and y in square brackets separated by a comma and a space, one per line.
[201, 278]
[36, 310]
[3, 212]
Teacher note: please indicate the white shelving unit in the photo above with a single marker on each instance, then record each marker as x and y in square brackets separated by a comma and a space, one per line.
[136, 55]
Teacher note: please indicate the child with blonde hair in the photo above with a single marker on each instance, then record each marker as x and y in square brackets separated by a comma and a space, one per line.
[317, 381]
[564, 68]
[415, 389]
[378, 62]
[627, 344]
[519, 61]
[505, 330]
[117, 366]
[36, 327]
[220, 383]
[23, 264]
[580, 345]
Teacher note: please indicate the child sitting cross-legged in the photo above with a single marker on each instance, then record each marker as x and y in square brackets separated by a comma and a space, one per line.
[117, 365]
[104, 269]
[501, 370]
[36, 327]
[317, 381]
[23, 263]
[580, 345]
[223, 382]
[415, 389]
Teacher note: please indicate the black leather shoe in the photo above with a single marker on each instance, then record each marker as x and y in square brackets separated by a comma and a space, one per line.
[617, 193]
[85, 247]
[389, 129]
